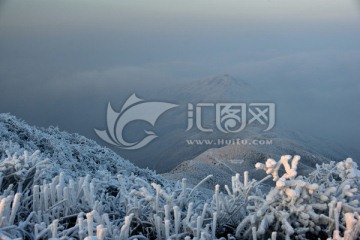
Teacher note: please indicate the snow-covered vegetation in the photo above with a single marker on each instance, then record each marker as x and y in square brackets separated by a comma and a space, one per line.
[73, 154]
[36, 202]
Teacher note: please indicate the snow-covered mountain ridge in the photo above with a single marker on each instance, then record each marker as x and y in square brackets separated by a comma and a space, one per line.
[47, 198]
[70, 153]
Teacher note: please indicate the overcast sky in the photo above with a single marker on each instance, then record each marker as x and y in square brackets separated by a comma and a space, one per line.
[62, 61]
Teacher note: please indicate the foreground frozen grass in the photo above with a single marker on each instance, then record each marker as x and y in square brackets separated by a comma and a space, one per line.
[323, 205]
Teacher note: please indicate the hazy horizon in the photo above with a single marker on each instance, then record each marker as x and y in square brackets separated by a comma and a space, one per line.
[61, 62]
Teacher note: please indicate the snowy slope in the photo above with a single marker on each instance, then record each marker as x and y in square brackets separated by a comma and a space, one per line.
[223, 162]
[71, 153]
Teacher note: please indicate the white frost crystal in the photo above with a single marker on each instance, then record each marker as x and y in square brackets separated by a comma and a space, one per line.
[83, 208]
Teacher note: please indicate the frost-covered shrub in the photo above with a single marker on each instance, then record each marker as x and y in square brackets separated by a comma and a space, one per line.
[323, 205]
[87, 207]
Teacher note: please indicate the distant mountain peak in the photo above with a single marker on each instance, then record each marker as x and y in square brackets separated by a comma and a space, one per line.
[223, 80]
[222, 87]
[212, 89]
